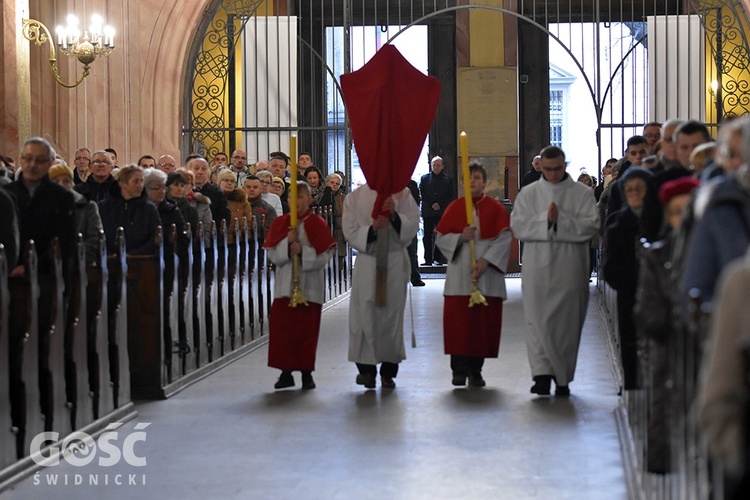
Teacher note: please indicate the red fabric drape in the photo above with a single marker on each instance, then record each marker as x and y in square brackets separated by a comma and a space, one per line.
[391, 107]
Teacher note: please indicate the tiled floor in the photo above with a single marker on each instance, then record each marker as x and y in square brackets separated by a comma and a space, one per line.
[232, 436]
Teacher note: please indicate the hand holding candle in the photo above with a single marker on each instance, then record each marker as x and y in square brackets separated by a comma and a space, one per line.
[476, 297]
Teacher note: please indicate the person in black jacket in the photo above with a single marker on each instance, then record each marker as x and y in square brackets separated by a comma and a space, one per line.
[219, 206]
[416, 278]
[155, 184]
[620, 265]
[438, 192]
[9, 233]
[128, 207]
[45, 210]
[98, 185]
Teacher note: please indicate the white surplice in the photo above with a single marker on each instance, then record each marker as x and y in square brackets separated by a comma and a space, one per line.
[376, 334]
[555, 273]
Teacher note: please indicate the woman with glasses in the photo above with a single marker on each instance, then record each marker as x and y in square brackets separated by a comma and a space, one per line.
[278, 187]
[237, 200]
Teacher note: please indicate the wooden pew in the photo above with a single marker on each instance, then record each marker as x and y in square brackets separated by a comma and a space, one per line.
[245, 278]
[79, 395]
[253, 283]
[119, 368]
[212, 297]
[170, 303]
[269, 279]
[97, 336]
[149, 371]
[51, 332]
[188, 361]
[23, 353]
[200, 327]
[234, 276]
[222, 291]
[8, 453]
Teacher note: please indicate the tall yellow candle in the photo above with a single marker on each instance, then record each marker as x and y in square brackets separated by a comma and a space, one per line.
[293, 183]
[464, 150]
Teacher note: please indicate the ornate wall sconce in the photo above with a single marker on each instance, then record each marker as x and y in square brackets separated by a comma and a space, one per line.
[99, 40]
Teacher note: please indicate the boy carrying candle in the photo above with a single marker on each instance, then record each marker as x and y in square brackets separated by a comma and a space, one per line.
[295, 327]
[472, 329]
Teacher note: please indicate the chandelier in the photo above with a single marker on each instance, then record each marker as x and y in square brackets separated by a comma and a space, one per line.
[98, 40]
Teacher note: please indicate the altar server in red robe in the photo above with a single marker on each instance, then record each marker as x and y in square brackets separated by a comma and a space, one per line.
[294, 330]
[473, 333]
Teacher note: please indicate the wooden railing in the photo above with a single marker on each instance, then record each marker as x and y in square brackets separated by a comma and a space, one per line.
[77, 350]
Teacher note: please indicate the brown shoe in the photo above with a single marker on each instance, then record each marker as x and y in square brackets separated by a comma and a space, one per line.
[367, 380]
[387, 382]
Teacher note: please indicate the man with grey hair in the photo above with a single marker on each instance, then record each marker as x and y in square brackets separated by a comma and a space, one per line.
[219, 207]
[45, 209]
[81, 160]
[98, 185]
[266, 180]
[438, 192]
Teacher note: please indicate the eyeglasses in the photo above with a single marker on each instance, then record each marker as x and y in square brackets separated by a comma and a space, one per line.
[239, 157]
[166, 164]
[81, 158]
[38, 159]
[157, 188]
[266, 182]
[100, 162]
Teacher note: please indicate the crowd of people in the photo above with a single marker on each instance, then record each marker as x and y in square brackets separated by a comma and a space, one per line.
[662, 226]
[675, 232]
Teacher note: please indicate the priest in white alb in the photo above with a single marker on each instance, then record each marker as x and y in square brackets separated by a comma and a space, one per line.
[376, 333]
[555, 218]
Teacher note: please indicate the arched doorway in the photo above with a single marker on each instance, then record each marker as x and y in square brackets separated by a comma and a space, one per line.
[629, 56]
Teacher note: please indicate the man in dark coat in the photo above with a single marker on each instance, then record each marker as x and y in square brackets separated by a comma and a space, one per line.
[416, 278]
[438, 192]
[45, 210]
[9, 233]
[219, 206]
[534, 174]
[98, 185]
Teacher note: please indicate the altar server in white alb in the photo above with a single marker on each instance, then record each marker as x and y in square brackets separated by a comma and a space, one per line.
[472, 333]
[376, 334]
[556, 218]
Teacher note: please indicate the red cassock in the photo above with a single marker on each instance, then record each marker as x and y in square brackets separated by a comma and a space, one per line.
[294, 333]
[475, 331]
[293, 338]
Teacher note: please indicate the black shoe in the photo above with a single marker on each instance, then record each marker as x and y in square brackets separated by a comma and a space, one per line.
[417, 282]
[476, 380]
[562, 390]
[367, 380]
[459, 379]
[285, 380]
[307, 381]
[541, 385]
[387, 382]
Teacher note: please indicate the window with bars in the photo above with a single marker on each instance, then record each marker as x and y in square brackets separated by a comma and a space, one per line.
[556, 117]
